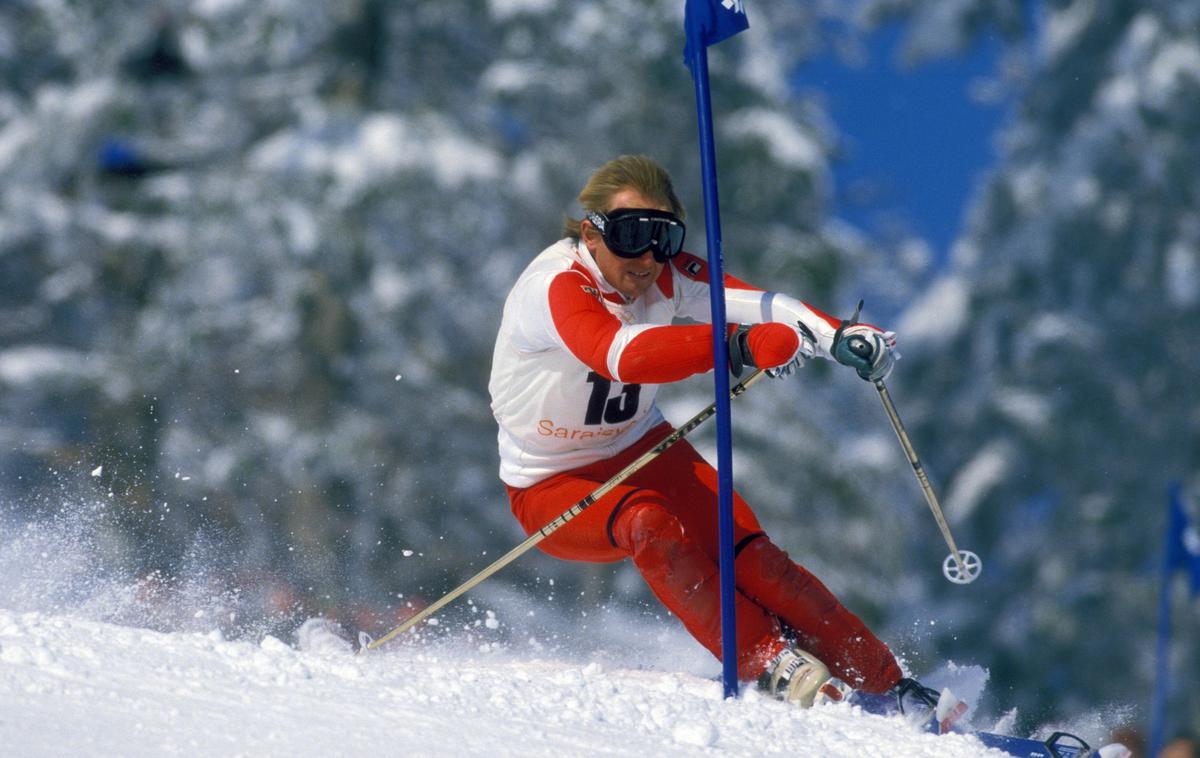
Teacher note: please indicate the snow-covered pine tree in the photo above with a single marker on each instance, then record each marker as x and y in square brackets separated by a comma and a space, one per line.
[1055, 357]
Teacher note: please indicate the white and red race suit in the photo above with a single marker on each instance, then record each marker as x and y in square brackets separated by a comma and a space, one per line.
[576, 366]
[573, 381]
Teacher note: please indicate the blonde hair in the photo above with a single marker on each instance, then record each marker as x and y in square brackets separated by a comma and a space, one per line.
[637, 172]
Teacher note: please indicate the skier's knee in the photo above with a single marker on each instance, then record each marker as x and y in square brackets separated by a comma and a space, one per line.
[770, 565]
[769, 560]
[645, 526]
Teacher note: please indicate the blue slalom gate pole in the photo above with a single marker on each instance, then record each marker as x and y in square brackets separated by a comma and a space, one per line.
[716, 281]
[1162, 652]
[707, 22]
[1158, 708]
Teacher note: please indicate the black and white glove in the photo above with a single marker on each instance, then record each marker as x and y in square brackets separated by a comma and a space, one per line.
[869, 351]
[807, 349]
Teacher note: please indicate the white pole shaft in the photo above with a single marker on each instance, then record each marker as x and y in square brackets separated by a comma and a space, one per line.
[919, 470]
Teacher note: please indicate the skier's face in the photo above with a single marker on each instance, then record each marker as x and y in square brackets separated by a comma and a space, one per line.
[629, 276]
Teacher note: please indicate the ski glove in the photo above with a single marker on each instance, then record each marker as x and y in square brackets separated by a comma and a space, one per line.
[867, 350]
[774, 346]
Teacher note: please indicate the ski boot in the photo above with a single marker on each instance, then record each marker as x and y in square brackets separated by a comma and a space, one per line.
[937, 711]
[923, 707]
[799, 677]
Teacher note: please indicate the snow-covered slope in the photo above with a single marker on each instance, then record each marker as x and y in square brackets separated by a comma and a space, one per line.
[71, 686]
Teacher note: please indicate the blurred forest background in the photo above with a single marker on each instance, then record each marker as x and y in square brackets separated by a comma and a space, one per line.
[253, 256]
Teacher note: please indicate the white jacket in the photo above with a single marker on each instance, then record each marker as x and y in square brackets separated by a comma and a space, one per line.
[576, 367]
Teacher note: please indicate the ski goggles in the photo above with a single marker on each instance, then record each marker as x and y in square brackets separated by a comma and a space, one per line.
[630, 232]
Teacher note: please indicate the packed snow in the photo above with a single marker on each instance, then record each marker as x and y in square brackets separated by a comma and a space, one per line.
[73, 686]
[96, 660]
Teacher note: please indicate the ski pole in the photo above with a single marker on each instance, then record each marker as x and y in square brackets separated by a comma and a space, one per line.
[563, 518]
[961, 566]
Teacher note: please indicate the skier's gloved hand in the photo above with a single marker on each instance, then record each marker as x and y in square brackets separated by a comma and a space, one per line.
[807, 349]
[866, 349]
[773, 346]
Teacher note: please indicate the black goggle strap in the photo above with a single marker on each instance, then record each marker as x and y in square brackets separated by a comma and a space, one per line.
[599, 220]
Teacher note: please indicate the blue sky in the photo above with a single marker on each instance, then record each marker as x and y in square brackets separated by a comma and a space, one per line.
[916, 142]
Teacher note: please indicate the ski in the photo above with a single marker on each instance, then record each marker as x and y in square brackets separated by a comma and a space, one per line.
[1058, 745]
[939, 713]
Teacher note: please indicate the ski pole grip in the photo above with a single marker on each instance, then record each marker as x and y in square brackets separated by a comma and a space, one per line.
[859, 346]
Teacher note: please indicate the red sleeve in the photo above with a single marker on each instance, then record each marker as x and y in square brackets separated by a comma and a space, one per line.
[584, 324]
[667, 354]
[655, 356]
[670, 353]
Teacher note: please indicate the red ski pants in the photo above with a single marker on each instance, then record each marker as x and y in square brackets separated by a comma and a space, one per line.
[665, 518]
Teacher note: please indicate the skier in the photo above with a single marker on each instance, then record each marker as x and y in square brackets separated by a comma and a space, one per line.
[585, 340]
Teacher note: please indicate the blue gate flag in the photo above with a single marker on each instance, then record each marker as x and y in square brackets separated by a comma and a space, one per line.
[1183, 541]
[707, 22]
